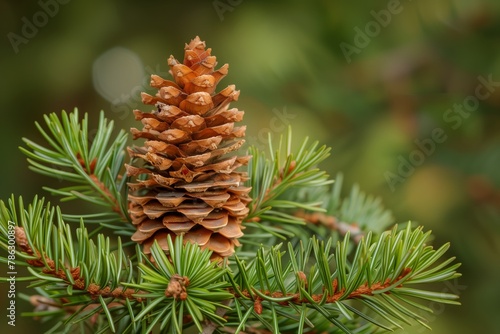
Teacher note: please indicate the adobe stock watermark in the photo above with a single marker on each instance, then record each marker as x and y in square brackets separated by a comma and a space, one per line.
[11, 274]
[31, 26]
[363, 36]
[453, 116]
[278, 124]
[222, 6]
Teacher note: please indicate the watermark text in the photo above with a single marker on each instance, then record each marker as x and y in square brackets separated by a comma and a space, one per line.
[31, 26]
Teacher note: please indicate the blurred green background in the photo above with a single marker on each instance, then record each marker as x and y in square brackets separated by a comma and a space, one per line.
[398, 89]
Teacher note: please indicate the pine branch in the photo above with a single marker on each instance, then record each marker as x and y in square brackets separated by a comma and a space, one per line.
[286, 172]
[356, 214]
[358, 208]
[82, 278]
[288, 190]
[332, 223]
[378, 278]
[85, 279]
[93, 165]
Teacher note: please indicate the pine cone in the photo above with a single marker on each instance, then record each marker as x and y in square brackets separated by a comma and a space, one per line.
[183, 180]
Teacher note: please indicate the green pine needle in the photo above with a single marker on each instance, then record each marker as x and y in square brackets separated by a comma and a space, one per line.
[95, 166]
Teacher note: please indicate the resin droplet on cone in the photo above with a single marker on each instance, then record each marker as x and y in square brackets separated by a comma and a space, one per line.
[184, 178]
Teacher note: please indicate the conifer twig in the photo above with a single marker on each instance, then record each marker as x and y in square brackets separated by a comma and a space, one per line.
[210, 326]
[332, 223]
[77, 281]
[92, 166]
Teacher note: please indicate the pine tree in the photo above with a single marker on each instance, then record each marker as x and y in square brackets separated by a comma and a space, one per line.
[166, 252]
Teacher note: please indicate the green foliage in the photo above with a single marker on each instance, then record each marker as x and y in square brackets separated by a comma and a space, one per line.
[97, 279]
[364, 210]
[92, 161]
[318, 280]
[340, 273]
[276, 182]
[289, 187]
[285, 172]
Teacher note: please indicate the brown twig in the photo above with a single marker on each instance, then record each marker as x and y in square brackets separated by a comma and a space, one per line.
[49, 268]
[209, 326]
[42, 304]
[269, 191]
[333, 223]
[115, 205]
[363, 290]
